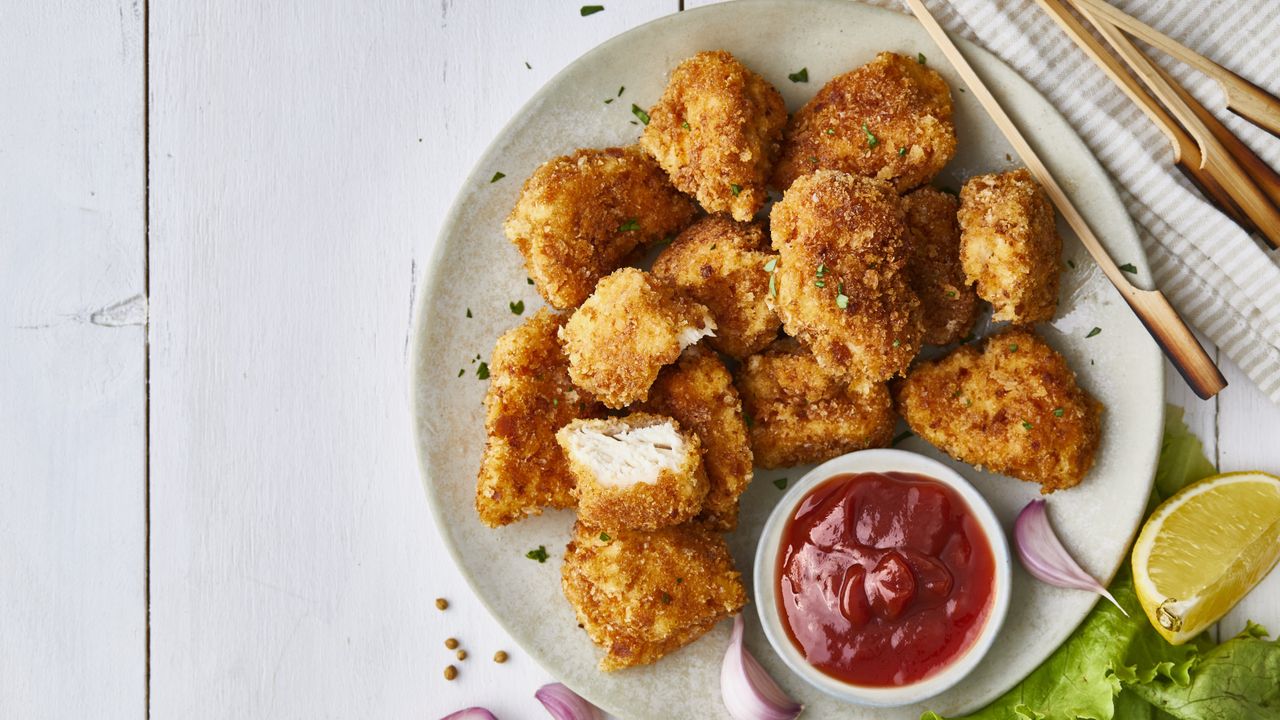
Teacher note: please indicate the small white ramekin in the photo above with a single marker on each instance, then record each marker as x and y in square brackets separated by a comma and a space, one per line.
[766, 580]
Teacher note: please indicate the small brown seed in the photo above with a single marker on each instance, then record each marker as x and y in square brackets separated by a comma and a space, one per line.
[442, 604]
[450, 672]
[500, 656]
[451, 643]
[462, 654]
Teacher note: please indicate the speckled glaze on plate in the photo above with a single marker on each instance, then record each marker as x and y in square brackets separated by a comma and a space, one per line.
[474, 267]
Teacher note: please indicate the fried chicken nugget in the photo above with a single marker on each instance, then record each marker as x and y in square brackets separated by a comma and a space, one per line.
[889, 119]
[698, 391]
[721, 263]
[801, 414]
[841, 283]
[949, 304]
[579, 216]
[642, 594]
[1012, 407]
[639, 472]
[1010, 246]
[530, 396]
[625, 332]
[717, 131]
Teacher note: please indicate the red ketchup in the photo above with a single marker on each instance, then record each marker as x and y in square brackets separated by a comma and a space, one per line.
[884, 578]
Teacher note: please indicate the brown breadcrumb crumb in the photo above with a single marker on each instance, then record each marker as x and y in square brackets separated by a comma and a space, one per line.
[717, 131]
[889, 119]
[640, 595]
[949, 304]
[630, 327]
[622, 483]
[721, 263]
[698, 391]
[801, 414]
[1012, 406]
[1010, 246]
[841, 285]
[580, 216]
[530, 397]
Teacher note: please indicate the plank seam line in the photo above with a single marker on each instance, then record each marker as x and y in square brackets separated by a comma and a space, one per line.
[146, 347]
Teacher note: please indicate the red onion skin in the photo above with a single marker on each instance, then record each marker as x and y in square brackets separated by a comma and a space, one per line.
[1044, 556]
[564, 704]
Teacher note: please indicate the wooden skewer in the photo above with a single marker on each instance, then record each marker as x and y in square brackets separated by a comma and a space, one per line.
[1243, 97]
[1151, 306]
[1215, 159]
[1185, 150]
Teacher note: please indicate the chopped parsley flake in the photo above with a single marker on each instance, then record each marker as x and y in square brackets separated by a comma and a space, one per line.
[1058, 412]
[1013, 347]
[496, 177]
[830, 131]
[748, 420]
[951, 293]
[620, 89]
[527, 66]
[842, 301]
[822, 270]
[813, 159]
[771, 265]
[462, 371]
[666, 598]
[901, 437]
[920, 58]
[1129, 268]
[590, 10]
[529, 280]
[1093, 332]
[608, 100]
[640, 113]
[685, 124]
[1026, 425]
[1071, 264]
[517, 307]
[679, 581]
[780, 483]
[773, 287]
[540, 554]
[820, 283]
[801, 75]
[872, 140]
[735, 189]
[482, 371]
[902, 151]
[604, 537]
[896, 342]
[629, 226]
[468, 312]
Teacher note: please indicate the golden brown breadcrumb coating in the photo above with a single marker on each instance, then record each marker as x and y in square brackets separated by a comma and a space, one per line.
[717, 131]
[949, 304]
[841, 284]
[889, 119]
[1012, 406]
[721, 263]
[1010, 246]
[639, 472]
[579, 216]
[642, 594]
[801, 414]
[529, 398]
[630, 327]
[698, 391]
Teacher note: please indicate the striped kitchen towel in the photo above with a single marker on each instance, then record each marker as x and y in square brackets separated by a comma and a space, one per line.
[1222, 281]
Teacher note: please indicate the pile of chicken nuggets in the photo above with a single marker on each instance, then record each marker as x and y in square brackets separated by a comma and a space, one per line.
[645, 398]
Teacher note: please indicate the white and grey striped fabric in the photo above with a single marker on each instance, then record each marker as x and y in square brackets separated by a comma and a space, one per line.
[1225, 283]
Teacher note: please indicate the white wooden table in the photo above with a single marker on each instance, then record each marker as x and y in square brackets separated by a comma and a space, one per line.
[212, 218]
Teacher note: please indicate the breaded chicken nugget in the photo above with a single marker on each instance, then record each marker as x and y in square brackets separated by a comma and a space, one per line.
[721, 264]
[889, 119]
[579, 216]
[840, 280]
[1010, 247]
[523, 469]
[949, 304]
[625, 332]
[717, 131]
[642, 594]
[640, 472]
[698, 391]
[801, 414]
[1012, 407]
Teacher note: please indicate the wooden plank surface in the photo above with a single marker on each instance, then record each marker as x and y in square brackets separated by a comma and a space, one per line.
[72, 394]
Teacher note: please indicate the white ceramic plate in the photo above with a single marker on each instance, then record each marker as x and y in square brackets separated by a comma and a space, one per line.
[474, 268]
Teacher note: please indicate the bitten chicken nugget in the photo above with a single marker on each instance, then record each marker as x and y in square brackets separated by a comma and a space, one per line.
[717, 131]
[698, 391]
[523, 469]
[579, 216]
[722, 264]
[1012, 407]
[640, 472]
[841, 283]
[889, 119]
[949, 304]
[1010, 245]
[625, 332]
[801, 414]
[642, 594]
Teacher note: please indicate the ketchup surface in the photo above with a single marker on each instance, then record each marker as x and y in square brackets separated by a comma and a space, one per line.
[883, 578]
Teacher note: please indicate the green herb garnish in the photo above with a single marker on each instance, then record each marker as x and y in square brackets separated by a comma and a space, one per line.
[640, 113]
[1059, 412]
[590, 10]
[771, 265]
[462, 371]
[540, 554]
[1093, 332]
[666, 599]
[735, 189]
[604, 537]
[527, 66]
[830, 131]
[620, 89]
[801, 75]
[517, 307]
[842, 301]
[529, 280]
[482, 371]
[468, 312]
[1013, 347]
[1026, 425]
[630, 226]
[780, 483]
[872, 140]
[685, 124]
[1071, 264]
[902, 151]
[1129, 268]
[496, 177]
[920, 58]
[608, 100]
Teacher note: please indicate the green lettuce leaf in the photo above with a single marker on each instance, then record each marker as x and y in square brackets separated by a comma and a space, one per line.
[1238, 679]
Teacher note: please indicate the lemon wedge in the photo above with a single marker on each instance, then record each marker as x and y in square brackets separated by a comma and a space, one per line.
[1204, 549]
